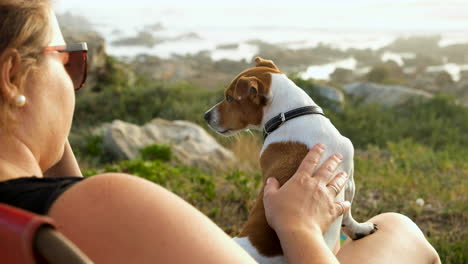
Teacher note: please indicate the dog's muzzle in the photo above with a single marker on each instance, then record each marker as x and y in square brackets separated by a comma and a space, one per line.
[207, 116]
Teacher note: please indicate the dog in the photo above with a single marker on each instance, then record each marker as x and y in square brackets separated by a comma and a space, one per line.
[265, 99]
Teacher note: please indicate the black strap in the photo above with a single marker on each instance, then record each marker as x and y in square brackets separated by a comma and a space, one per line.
[278, 120]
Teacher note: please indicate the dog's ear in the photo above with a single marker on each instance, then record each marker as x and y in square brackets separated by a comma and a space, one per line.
[250, 87]
[265, 63]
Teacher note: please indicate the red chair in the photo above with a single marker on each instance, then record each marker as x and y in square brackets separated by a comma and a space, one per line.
[27, 238]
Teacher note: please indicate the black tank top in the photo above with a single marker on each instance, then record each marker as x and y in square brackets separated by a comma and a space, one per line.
[34, 194]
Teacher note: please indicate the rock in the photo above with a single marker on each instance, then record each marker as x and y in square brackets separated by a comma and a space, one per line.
[384, 72]
[426, 81]
[198, 69]
[386, 95]
[423, 44]
[341, 75]
[332, 94]
[464, 75]
[297, 60]
[142, 38]
[444, 79]
[228, 46]
[191, 145]
[146, 38]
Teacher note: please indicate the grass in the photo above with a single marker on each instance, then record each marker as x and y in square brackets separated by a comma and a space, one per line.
[418, 151]
[394, 178]
[388, 179]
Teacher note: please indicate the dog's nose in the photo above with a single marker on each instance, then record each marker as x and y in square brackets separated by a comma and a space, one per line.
[207, 116]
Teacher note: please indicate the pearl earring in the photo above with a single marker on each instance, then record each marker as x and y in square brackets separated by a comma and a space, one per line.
[20, 100]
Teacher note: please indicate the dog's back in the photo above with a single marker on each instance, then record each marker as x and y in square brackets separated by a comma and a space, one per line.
[307, 129]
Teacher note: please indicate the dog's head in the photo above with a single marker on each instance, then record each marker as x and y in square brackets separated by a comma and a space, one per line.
[244, 100]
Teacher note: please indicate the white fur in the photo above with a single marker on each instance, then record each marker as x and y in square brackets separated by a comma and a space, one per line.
[310, 130]
[244, 242]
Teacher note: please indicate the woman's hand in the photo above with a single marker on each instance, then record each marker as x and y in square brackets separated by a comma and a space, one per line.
[306, 201]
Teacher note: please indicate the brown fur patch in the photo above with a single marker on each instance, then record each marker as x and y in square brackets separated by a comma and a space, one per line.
[247, 108]
[279, 160]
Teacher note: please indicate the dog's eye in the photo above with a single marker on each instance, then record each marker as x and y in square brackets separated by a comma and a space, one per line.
[229, 99]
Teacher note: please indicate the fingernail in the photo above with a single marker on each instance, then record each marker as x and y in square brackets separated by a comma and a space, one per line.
[346, 203]
[269, 180]
[321, 146]
[339, 156]
[344, 174]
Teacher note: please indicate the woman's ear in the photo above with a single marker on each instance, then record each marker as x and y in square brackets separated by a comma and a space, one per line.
[10, 65]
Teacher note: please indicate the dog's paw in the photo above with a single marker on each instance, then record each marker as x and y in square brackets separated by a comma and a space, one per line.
[361, 230]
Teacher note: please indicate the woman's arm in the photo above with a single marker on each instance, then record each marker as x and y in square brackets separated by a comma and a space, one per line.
[305, 246]
[300, 227]
[67, 166]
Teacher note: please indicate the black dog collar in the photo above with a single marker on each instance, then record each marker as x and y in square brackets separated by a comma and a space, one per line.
[278, 120]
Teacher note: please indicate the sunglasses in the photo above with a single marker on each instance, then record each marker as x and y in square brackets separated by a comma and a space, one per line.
[75, 60]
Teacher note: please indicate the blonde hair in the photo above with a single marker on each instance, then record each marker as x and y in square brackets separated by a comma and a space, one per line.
[24, 26]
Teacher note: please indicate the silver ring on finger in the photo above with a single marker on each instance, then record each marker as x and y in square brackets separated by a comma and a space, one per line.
[342, 209]
[334, 189]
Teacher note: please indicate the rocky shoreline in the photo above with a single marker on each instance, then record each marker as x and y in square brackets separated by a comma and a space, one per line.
[414, 62]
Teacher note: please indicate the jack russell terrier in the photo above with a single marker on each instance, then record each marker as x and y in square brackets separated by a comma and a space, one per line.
[265, 99]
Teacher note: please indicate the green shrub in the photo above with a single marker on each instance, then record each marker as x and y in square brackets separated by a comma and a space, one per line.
[156, 152]
[114, 76]
[89, 148]
[191, 183]
[93, 146]
[246, 185]
[438, 123]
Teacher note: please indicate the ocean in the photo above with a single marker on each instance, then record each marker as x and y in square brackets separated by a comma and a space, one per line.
[295, 24]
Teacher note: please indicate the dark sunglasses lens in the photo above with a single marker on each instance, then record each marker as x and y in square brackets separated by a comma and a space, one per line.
[77, 68]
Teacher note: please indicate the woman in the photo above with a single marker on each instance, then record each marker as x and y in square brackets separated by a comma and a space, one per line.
[117, 218]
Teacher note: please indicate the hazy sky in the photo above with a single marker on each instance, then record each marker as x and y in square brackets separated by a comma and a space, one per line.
[434, 15]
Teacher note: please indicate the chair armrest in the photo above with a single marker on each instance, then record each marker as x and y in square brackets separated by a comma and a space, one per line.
[56, 248]
[17, 229]
[31, 239]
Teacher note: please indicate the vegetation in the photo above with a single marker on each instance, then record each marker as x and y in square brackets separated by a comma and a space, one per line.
[438, 124]
[156, 152]
[142, 102]
[390, 179]
[395, 177]
[416, 152]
